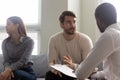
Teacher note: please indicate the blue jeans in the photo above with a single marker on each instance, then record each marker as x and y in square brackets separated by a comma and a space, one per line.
[24, 74]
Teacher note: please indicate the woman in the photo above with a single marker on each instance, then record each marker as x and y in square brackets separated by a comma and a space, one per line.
[17, 49]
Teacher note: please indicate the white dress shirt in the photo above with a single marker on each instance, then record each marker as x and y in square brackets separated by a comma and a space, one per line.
[106, 49]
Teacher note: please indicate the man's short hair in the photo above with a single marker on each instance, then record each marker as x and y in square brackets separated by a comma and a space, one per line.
[66, 13]
[107, 13]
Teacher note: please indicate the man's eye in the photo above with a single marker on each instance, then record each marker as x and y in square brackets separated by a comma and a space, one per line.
[68, 22]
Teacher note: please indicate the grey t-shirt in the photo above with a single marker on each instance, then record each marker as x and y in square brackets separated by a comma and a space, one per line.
[17, 56]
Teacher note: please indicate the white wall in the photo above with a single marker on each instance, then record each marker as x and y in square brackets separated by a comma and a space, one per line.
[88, 23]
[74, 5]
[51, 9]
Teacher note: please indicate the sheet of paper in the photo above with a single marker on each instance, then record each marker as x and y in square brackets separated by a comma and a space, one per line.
[64, 69]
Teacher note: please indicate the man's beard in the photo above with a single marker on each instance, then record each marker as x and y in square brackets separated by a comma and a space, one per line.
[70, 31]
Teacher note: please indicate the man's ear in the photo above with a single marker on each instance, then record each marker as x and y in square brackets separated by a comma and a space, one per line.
[99, 21]
[101, 24]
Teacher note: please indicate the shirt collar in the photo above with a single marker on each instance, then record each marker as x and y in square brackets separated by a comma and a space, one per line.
[115, 26]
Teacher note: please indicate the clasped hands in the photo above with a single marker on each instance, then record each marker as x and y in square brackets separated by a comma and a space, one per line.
[7, 74]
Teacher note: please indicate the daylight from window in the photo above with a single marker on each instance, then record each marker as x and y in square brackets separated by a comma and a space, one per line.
[33, 35]
[29, 11]
[26, 9]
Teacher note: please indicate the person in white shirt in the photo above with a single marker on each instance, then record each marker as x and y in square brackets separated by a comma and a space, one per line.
[106, 48]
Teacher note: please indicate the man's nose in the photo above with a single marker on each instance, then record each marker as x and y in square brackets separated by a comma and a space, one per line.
[73, 25]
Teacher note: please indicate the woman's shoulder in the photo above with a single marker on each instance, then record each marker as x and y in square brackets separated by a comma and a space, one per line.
[26, 39]
[6, 39]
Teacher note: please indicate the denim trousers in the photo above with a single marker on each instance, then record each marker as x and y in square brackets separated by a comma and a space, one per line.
[24, 74]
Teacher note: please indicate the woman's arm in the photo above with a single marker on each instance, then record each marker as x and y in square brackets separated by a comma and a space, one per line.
[5, 55]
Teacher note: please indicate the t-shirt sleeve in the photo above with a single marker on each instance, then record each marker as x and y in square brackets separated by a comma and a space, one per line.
[86, 46]
[52, 52]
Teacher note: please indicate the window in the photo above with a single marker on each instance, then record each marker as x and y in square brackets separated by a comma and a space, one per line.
[116, 3]
[33, 35]
[1, 39]
[29, 11]
[26, 9]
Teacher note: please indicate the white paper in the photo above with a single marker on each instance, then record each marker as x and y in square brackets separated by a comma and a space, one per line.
[64, 69]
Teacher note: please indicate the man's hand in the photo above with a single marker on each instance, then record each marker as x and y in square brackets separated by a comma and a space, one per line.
[7, 74]
[55, 71]
[68, 62]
